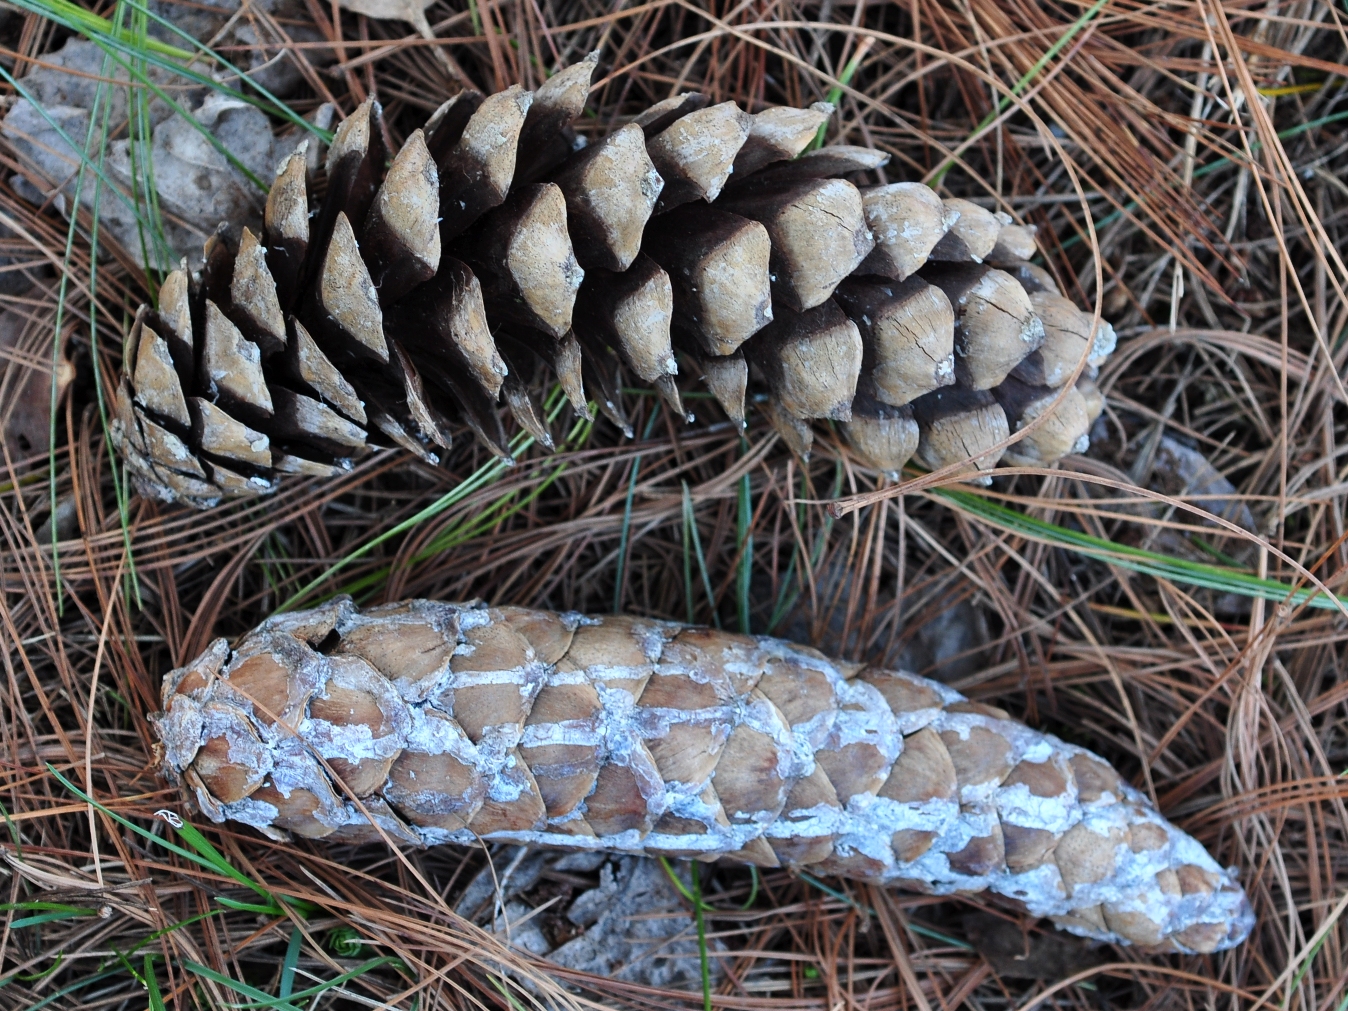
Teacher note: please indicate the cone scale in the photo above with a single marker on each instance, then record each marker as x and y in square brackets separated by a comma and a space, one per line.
[411, 296]
[424, 722]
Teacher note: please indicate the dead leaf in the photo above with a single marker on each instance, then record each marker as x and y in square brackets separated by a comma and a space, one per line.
[25, 383]
[198, 187]
[411, 11]
[1014, 953]
[1183, 471]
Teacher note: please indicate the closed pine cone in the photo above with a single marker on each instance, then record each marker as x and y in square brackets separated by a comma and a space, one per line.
[423, 722]
[494, 242]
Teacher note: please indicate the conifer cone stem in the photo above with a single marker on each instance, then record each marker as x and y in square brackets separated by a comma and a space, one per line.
[423, 722]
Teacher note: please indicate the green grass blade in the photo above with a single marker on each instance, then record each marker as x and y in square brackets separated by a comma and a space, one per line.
[505, 992]
[753, 886]
[81, 152]
[144, 190]
[163, 932]
[345, 942]
[694, 897]
[625, 533]
[249, 907]
[700, 919]
[13, 831]
[144, 81]
[836, 92]
[31, 906]
[33, 921]
[674, 879]
[499, 510]
[85, 164]
[690, 520]
[1179, 570]
[66, 991]
[936, 935]
[790, 591]
[206, 855]
[275, 107]
[744, 528]
[623, 536]
[86, 22]
[72, 230]
[109, 38]
[323, 987]
[53, 911]
[261, 999]
[126, 964]
[810, 879]
[51, 970]
[133, 580]
[155, 998]
[1304, 968]
[213, 857]
[483, 477]
[1208, 169]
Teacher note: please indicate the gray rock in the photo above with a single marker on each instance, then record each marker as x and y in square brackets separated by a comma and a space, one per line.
[517, 869]
[202, 19]
[587, 909]
[271, 68]
[69, 79]
[516, 923]
[636, 924]
[949, 645]
[198, 186]
[1182, 471]
[637, 929]
[580, 862]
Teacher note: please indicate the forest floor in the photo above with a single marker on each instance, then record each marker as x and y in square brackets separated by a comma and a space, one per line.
[1185, 166]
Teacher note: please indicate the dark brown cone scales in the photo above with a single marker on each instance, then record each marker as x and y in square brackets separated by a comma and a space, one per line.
[429, 283]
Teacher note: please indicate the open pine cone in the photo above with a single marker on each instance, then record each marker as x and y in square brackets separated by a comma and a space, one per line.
[495, 242]
[425, 722]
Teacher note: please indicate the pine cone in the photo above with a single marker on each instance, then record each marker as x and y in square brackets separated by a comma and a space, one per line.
[424, 722]
[495, 243]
